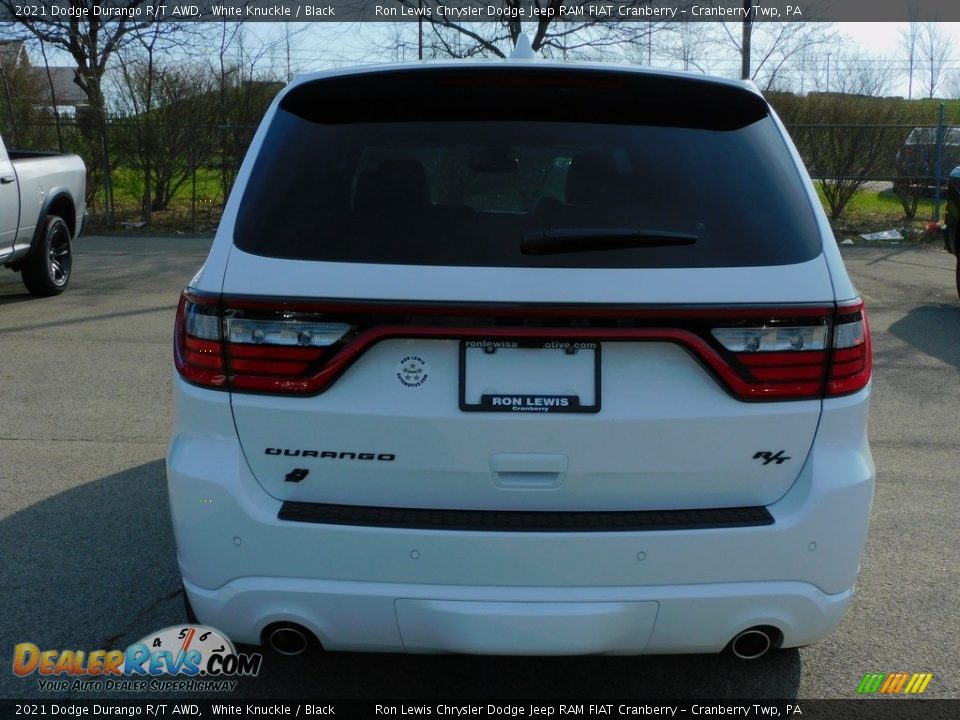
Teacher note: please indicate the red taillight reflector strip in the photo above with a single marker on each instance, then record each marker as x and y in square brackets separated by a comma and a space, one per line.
[286, 347]
[789, 373]
[199, 360]
[778, 357]
[852, 361]
[258, 352]
[270, 359]
[781, 359]
[786, 374]
[202, 353]
[268, 367]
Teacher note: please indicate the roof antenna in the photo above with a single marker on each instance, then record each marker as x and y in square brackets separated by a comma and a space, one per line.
[523, 50]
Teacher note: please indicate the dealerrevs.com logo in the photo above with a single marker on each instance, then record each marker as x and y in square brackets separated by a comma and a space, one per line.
[189, 658]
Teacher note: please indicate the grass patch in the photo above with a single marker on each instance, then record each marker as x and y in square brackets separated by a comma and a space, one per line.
[873, 209]
[182, 215]
[128, 187]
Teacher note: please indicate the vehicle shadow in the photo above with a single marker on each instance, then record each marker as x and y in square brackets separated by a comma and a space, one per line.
[85, 568]
[168, 310]
[94, 567]
[19, 297]
[353, 675]
[12, 289]
[932, 329]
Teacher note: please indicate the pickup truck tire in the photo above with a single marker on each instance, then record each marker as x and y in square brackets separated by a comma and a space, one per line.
[46, 269]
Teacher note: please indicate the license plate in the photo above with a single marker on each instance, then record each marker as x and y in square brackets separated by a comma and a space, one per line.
[522, 376]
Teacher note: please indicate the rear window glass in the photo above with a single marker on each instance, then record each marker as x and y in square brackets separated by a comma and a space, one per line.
[571, 169]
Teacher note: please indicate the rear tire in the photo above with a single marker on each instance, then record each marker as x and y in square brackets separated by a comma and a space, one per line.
[46, 269]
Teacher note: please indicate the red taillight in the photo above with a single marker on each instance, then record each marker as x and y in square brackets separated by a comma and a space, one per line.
[270, 368]
[852, 360]
[197, 346]
[301, 348]
[778, 358]
[278, 351]
[801, 358]
[260, 350]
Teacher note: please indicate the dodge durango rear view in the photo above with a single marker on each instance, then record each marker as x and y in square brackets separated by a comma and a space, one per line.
[521, 358]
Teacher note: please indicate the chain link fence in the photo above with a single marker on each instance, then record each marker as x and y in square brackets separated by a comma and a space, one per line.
[175, 174]
[916, 160]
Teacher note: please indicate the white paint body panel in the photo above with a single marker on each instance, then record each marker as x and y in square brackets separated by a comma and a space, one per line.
[807, 282]
[667, 437]
[244, 568]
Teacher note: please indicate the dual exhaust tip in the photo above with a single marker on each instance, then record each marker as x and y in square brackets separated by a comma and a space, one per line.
[291, 640]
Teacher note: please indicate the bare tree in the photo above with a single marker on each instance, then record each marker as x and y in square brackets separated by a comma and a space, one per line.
[952, 84]
[399, 42]
[19, 96]
[855, 72]
[169, 142]
[54, 104]
[28, 99]
[692, 45]
[746, 41]
[775, 44]
[574, 33]
[91, 43]
[137, 100]
[844, 139]
[936, 52]
[243, 91]
[909, 42]
[769, 49]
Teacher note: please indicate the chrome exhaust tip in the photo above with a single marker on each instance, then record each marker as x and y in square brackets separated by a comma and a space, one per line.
[288, 639]
[751, 644]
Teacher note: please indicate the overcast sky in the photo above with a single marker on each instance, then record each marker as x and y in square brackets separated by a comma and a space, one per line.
[321, 45]
[325, 43]
[884, 37]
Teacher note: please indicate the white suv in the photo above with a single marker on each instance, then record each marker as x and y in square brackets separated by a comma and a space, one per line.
[521, 358]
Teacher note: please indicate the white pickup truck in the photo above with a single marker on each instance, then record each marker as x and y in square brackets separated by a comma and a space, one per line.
[42, 203]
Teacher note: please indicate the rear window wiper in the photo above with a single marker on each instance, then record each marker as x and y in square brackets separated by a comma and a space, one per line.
[569, 240]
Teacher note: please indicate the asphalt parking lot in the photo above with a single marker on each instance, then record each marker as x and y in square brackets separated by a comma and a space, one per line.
[87, 555]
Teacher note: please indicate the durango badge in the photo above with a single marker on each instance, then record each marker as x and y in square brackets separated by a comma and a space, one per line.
[412, 371]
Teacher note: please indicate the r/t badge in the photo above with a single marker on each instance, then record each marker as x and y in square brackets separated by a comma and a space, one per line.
[768, 457]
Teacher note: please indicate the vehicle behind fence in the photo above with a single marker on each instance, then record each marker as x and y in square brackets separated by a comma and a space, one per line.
[915, 160]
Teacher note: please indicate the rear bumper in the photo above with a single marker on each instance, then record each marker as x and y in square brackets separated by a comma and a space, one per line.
[421, 590]
[387, 617]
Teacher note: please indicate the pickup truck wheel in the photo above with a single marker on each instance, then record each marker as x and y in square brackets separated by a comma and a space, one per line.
[46, 269]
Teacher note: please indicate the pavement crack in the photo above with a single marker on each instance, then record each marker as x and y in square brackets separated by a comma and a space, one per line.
[129, 441]
[110, 641]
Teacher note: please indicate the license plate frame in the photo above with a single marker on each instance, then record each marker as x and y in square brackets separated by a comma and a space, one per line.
[521, 401]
